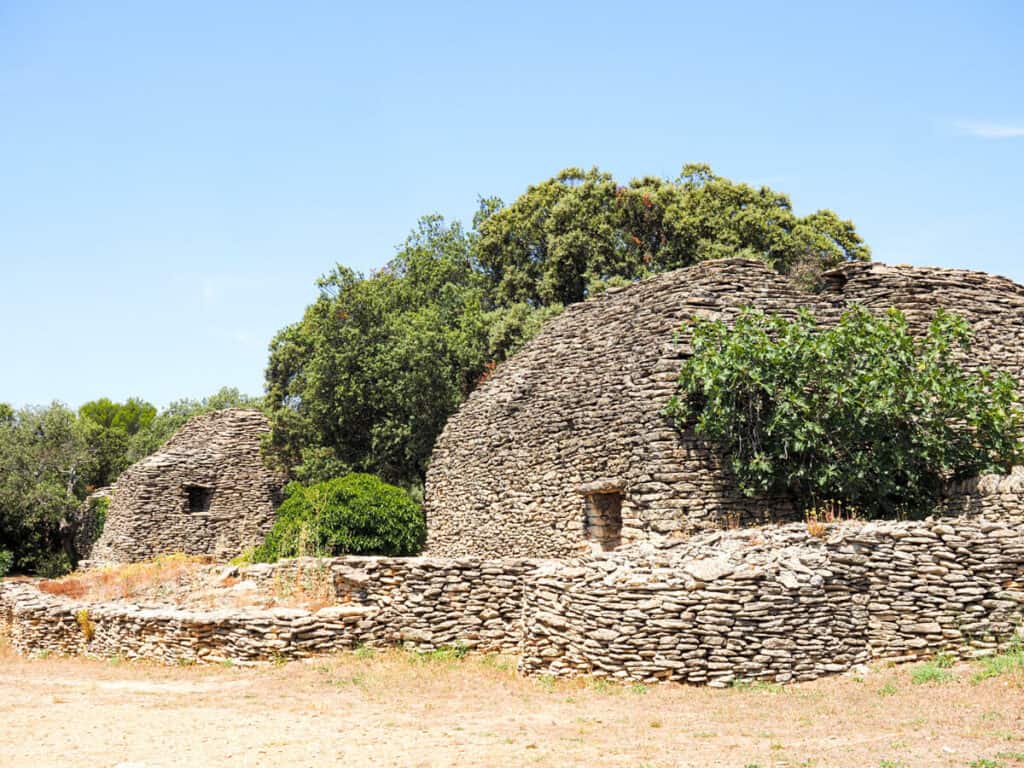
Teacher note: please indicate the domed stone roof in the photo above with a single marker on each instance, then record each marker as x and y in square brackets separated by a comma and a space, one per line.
[205, 492]
[566, 446]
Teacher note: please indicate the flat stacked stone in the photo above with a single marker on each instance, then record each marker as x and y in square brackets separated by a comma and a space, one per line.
[772, 603]
[150, 511]
[583, 402]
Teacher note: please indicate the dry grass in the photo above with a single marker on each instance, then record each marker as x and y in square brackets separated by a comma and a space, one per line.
[816, 528]
[120, 582]
[188, 581]
[399, 709]
[308, 587]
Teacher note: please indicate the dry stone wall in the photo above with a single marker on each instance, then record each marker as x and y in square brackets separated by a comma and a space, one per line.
[86, 524]
[579, 410]
[776, 604]
[993, 305]
[757, 604]
[993, 495]
[421, 603]
[205, 492]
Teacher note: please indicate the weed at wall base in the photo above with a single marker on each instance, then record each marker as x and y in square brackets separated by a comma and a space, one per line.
[86, 624]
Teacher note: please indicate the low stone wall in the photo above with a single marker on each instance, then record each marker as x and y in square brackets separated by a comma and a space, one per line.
[998, 496]
[421, 602]
[778, 604]
[774, 603]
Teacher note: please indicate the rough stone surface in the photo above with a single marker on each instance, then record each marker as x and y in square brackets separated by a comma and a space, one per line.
[579, 409]
[757, 604]
[999, 495]
[150, 510]
[85, 524]
[422, 603]
[791, 607]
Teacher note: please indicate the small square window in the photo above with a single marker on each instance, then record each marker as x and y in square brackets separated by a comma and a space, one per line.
[199, 498]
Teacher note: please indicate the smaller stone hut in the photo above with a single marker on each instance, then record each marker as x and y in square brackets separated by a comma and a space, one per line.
[205, 492]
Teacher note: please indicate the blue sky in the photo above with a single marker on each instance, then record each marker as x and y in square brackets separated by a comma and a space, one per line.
[173, 179]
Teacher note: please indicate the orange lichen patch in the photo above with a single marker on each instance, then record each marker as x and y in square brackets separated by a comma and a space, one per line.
[126, 581]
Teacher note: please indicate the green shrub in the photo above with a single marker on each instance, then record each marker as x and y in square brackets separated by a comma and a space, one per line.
[356, 514]
[6, 561]
[52, 565]
[862, 416]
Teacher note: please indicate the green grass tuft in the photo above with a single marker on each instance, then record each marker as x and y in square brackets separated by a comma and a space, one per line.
[760, 686]
[931, 672]
[1010, 662]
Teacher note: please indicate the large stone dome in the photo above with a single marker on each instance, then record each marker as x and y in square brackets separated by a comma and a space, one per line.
[566, 445]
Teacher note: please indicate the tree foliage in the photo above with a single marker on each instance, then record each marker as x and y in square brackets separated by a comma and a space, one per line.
[109, 428]
[862, 414]
[573, 234]
[368, 377]
[357, 514]
[44, 462]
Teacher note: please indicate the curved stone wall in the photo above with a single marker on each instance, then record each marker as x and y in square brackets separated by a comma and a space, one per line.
[578, 411]
[205, 492]
[776, 604]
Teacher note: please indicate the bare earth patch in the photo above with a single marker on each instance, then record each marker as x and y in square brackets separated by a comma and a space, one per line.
[397, 709]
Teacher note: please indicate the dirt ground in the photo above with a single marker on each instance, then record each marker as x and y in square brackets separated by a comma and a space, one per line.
[397, 709]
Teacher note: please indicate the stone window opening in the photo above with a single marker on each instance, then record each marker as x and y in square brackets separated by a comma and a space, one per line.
[199, 498]
[602, 522]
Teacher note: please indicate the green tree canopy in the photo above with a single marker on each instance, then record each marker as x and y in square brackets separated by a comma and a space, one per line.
[109, 428]
[44, 463]
[571, 235]
[862, 414]
[368, 377]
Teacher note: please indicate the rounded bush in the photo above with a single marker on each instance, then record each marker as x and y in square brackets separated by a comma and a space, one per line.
[358, 514]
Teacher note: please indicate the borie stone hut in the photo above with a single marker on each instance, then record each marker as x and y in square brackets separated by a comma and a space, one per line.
[205, 492]
[566, 446]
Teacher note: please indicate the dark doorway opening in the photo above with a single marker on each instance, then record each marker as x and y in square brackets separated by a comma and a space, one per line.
[603, 519]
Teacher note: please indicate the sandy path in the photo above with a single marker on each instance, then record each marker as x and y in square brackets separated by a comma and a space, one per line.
[394, 710]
